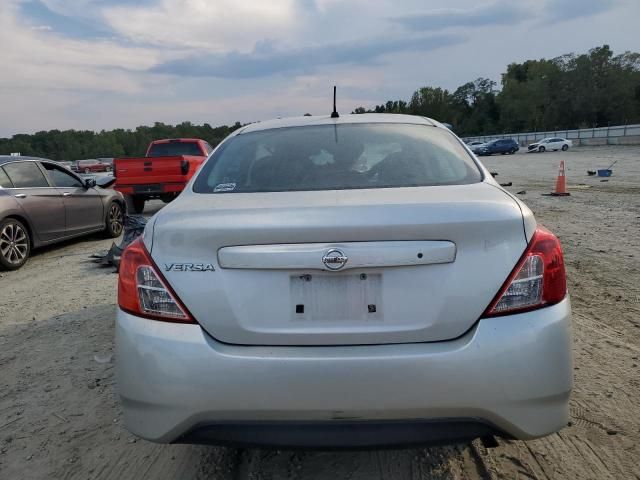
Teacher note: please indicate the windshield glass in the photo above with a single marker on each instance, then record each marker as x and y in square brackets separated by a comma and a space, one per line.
[337, 157]
[174, 148]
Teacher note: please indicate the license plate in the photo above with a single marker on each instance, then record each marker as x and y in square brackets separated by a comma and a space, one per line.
[345, 298]
[151, 188]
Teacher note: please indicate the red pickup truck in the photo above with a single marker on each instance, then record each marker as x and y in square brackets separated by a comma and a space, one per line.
[163, 171]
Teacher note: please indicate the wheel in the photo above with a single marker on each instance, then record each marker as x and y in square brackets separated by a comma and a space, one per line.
[565, 147]
[513, 150]
[107, 168]
[114, 220]
[15, 244]
[87, 170]
[137, 203]
[541, 149]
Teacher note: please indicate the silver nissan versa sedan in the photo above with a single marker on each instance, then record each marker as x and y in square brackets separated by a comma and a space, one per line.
[343, 282]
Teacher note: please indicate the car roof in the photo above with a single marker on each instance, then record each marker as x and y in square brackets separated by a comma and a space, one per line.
[342, 120]
[9, 158]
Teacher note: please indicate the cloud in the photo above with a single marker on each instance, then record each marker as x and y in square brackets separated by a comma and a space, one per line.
[265, 60]
[491, 14]
[202, 24]
[564, 10]
[120, 63]
[40, 13]
[42, 59]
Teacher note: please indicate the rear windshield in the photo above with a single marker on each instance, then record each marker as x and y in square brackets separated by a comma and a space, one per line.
[337, 157]
[174, 148]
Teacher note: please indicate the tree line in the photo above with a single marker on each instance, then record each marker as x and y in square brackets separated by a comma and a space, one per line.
[593, 89]
[80, 144]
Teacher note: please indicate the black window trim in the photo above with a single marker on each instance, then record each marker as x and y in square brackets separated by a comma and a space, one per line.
[69, 172]
[42, 170]
[6, 175]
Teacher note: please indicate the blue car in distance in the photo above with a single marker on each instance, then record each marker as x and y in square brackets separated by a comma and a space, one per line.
[503, 146]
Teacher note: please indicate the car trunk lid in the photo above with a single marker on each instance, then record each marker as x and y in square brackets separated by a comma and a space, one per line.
[340, 267]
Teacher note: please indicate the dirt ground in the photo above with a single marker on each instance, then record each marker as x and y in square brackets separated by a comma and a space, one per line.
[59, 415]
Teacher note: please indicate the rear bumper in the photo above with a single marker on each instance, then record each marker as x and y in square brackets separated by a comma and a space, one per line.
[340, 434]
[509, 375]
[154, 189]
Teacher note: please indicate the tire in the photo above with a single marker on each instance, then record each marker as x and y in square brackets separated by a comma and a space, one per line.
[565, 147]
[513, 150]
[15, 244]
[107, 169]
[137, 204]
[114, 221]
[87, 170]
[168, 198]
[541, 149]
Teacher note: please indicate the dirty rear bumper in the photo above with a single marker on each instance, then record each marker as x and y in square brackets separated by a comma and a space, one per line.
[341, 434]
[508, 375]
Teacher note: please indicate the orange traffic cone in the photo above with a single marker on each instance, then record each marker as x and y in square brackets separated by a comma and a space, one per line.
[561, 183]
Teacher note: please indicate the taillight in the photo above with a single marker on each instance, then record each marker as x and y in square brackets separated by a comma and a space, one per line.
[142, 290]
[538, 280]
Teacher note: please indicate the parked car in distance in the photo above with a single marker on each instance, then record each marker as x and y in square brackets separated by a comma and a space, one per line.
[91, 165]
[353, 281]
[42, 203]
[475, 145]
[503, 146]
[66, 164]
[107, 161]
[551, 143]
[162, 173]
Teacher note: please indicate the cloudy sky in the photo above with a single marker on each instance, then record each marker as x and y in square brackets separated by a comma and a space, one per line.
[94, 64]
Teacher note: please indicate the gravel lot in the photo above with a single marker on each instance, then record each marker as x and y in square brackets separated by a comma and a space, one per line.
[59, 416]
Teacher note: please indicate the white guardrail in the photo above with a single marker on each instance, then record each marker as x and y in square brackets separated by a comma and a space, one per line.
[617, 135]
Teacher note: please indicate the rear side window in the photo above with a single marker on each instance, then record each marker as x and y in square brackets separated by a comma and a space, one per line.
[174, 148]
[4, 180]
[25, 175]
[338, 157]
[60, 178]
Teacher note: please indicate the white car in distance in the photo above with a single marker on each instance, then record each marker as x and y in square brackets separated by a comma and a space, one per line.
[552, 144]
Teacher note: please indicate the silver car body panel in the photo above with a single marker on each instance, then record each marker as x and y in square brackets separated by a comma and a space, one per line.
[434, 303]
[514, 372]
[357, 255]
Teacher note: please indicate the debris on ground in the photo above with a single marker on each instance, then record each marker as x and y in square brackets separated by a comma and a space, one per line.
[133, 228]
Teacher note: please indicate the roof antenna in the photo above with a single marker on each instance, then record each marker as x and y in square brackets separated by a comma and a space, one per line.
[335, 113]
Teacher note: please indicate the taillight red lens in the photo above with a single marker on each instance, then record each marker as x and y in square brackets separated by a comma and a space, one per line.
[538, 280]
[143, 291]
